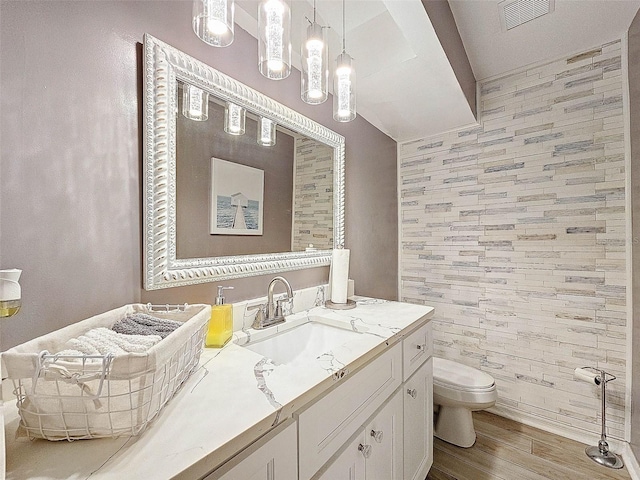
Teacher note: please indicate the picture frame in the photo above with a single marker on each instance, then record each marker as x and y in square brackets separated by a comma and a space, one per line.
[237, 199]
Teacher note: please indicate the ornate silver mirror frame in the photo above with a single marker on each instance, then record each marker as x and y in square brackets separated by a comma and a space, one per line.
[163, 67]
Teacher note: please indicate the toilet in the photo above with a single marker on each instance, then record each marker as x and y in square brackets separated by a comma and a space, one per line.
[457, 391]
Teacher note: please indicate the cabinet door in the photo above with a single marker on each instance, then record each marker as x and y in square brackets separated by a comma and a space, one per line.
[331, 421]
[350, 464]
[273, 457]
[384, 434]
[418, 423]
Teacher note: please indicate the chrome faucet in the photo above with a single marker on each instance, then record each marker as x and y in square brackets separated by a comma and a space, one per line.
[274, 312]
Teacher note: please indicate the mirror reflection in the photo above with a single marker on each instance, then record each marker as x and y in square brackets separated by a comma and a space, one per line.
[221, 206]
[220, 201]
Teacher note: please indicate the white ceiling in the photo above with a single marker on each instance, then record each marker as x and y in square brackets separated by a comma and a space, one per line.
[575, 25]
[405, 84]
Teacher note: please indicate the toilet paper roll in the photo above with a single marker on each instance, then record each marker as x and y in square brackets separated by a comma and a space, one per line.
[339, 275]
[587, 376]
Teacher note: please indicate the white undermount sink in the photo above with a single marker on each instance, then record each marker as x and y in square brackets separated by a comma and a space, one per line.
[306, 341]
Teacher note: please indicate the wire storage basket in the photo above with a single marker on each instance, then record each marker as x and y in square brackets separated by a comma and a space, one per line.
[75, 397]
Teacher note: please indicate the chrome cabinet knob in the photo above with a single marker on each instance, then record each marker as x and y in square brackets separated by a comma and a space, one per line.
[377, 435]
[365, 449]
[413, 392]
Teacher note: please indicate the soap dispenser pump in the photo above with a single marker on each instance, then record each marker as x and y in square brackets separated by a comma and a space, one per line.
[221, 323]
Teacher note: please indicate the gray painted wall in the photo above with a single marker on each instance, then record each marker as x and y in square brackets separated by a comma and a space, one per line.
[197, 143]
[70, 211]
[634, 107]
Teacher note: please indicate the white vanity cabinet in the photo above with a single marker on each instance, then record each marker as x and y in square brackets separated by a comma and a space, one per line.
[376, 452]
[356, 398]
[384, 434]
[418, 422]
[397, 442]
[349, 465]
[418, 403]
[417, 347]
[273, 457]
[327, 424]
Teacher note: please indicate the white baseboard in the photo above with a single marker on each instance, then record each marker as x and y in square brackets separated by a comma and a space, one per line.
[567, 431]
[631, 463]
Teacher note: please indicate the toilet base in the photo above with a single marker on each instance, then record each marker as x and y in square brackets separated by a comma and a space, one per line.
[455, 425]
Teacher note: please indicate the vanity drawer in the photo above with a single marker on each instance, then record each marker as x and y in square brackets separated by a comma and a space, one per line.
[327, 424]
[416, 348]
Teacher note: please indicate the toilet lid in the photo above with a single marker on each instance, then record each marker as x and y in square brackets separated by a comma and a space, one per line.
[459, 376]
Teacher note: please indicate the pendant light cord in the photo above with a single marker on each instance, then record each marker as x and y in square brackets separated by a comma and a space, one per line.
[344, 29]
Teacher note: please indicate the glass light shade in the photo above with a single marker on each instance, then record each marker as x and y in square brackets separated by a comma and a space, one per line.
[315, 65]
[266, 132]
[344, 89]
[274, 39]
[213, 21]
[195, 103]
[234, 119]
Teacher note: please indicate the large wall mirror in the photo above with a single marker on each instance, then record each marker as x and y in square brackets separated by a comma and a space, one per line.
[221, 200]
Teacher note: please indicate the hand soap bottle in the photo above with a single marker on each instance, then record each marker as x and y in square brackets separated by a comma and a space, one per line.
[221, 323]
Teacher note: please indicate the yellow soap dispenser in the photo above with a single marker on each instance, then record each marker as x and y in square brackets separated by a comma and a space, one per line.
[221, 323]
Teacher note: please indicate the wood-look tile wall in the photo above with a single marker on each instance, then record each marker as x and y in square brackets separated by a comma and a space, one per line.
[313, 198]
[515, 232]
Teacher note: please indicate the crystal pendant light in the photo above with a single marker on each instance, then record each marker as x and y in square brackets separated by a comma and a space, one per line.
[274, 39]
[315, 70]
[234, 119]
[195, 103]
[213, 21]
[344, 82]
[266, 132]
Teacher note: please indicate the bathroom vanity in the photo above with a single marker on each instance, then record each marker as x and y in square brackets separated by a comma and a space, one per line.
[348, 394]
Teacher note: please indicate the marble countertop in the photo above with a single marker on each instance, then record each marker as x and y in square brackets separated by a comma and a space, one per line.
[233, 398]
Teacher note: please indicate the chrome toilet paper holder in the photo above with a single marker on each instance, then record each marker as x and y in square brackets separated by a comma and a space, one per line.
[600, 453]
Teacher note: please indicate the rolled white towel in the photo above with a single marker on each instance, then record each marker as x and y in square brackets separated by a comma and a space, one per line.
[103, 341]
[127, 343]
[82, 345]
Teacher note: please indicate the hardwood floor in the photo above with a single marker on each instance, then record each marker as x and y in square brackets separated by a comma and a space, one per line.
[508, 450]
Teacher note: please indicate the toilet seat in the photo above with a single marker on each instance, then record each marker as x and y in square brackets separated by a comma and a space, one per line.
[456, 376]
[464, 388]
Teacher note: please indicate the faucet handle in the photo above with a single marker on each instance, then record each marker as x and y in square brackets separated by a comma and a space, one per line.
[280, 309]
[258, 321]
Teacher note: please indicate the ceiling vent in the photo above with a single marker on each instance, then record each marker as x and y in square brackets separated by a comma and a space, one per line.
[516, 12]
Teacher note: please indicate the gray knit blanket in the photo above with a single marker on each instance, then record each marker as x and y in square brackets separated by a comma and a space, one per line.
[143, 324]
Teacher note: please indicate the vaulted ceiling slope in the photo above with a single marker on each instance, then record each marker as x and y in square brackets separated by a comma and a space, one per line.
[406, 85]
[413, 72]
